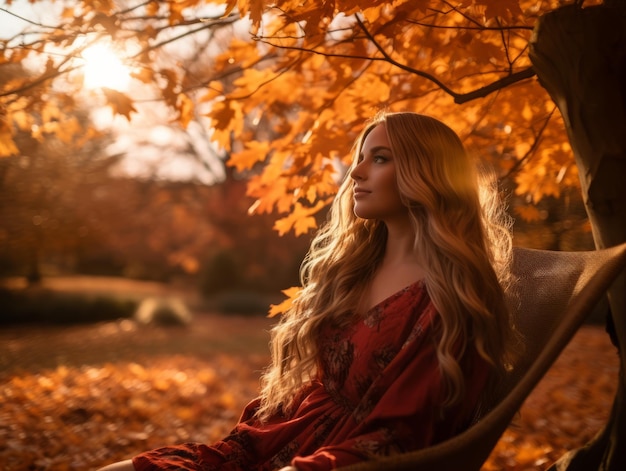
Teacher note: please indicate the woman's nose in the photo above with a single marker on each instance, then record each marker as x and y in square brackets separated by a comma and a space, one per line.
[358, 172]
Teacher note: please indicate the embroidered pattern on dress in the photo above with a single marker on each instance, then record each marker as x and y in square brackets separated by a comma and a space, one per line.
[323, 426]
[415, 333]
[382, 446]
[382, 357]
[284, 456]
[337, 360]
[374, 317]
[241, 443]
[366, 405]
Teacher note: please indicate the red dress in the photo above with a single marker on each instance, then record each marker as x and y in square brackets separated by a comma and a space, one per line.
[379, 392]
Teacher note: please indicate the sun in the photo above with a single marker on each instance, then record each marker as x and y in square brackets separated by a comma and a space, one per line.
[103, 68]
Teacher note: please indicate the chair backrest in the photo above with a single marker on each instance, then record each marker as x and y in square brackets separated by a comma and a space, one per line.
[553, 294]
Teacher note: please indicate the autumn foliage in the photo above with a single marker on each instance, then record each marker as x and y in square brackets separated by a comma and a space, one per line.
[285, 86]
[282, 88]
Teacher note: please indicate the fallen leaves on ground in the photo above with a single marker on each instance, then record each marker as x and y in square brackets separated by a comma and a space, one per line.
[62, 410]
[76, 418]
[566, 409]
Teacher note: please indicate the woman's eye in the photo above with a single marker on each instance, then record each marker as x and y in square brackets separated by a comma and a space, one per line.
[379, 159]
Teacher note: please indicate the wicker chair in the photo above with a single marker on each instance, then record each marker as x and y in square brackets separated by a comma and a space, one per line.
[553, 295]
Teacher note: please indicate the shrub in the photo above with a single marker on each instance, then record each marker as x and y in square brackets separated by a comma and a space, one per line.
[221, 273]
[241, 302]
[163, 311]
[52, 307]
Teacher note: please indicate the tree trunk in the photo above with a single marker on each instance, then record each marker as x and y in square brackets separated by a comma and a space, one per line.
[580, 58]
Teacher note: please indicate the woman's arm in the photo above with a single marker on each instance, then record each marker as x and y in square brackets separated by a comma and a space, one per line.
[126, 465]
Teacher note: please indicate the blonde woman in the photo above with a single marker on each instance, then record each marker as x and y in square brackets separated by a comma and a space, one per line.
[400, 328]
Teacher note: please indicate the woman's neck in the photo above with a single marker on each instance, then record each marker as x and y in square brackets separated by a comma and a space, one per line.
[399, 267]
[400, 246]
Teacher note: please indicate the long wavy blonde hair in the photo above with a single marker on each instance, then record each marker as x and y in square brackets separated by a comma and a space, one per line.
[462, 241]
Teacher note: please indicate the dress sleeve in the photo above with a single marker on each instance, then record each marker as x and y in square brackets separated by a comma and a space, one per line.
[402, 410]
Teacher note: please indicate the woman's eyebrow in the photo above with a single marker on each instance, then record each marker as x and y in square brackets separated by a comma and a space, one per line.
[377, 149]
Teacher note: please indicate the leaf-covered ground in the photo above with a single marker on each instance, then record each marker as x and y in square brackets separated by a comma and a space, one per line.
[75, 398]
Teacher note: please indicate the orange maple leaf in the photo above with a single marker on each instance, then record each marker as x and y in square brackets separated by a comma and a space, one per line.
[300, 219]
[253, 153]
[7, 145]
[186, 109]
[528, 213]
[119, 102]
[291, 293]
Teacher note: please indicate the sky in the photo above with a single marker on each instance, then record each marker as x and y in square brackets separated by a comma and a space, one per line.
[152, 147]
[39, 12]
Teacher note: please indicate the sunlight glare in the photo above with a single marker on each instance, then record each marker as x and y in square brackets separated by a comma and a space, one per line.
[103, 68]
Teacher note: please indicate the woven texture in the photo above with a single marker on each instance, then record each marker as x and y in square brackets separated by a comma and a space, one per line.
[553, 294]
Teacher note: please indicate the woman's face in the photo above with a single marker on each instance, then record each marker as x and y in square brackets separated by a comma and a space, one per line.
[376, 194]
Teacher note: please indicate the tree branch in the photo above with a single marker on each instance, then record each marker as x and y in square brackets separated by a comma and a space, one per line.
[470, 28]
[459, 98]
[532, 149]
[404, 67]
[26, 20]
[495, 86]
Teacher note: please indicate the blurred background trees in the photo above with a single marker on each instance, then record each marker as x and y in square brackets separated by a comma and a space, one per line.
[205, 125]
[136, 136]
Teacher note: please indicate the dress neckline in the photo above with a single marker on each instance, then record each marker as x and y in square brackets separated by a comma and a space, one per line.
[419, 283]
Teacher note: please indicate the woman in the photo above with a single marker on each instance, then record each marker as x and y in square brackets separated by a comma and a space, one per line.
[400, 328]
